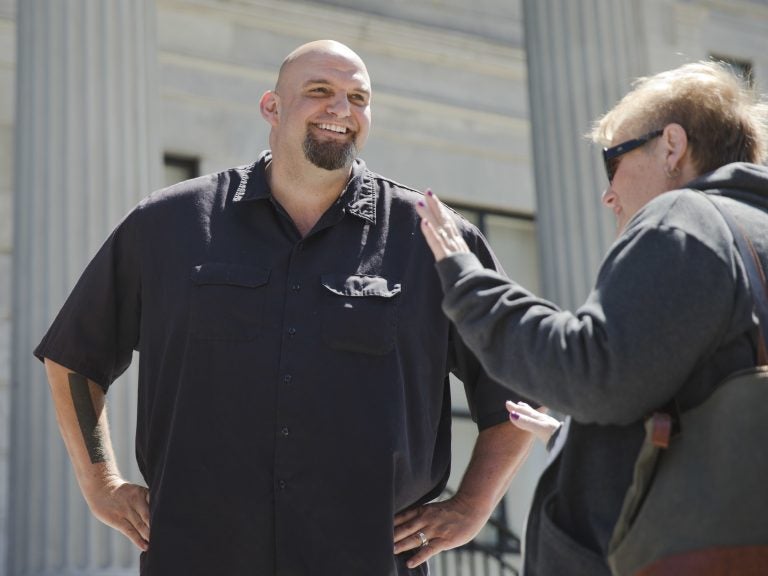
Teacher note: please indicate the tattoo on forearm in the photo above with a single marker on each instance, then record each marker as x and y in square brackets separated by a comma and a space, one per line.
[87, 418]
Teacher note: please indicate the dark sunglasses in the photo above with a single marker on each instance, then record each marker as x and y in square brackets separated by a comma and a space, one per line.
[612, 156]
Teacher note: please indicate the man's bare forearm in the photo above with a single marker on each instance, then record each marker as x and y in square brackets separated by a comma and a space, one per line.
[427, 530]
[498, 454]
[81, 414]
[87, 418]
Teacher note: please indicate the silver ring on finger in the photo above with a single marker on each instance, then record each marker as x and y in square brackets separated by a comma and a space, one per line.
[423, 538]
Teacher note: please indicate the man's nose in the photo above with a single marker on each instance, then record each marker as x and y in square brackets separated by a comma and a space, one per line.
[339, 106]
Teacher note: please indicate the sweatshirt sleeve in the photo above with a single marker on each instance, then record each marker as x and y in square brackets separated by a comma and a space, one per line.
[626, 351]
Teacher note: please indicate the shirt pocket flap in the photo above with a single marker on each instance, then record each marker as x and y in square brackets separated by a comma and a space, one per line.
[360, 285]
[212, 273]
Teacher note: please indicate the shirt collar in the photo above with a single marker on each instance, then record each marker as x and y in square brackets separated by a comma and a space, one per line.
[359, 197]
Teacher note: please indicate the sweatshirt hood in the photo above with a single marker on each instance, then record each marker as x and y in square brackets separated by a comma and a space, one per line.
[740, 181]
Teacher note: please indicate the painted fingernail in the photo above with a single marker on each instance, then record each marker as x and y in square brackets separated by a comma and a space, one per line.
[421, 203]
[514, 416]
[429, 192]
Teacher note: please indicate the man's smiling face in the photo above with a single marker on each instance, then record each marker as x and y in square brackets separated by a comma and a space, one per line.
[324, 107]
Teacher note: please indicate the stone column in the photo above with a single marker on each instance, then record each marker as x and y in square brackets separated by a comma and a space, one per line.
[85, 153]
[581, 57]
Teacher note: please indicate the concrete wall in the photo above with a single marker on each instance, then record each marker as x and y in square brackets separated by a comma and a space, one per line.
[454, 102]
[680, 32]
[490, 19]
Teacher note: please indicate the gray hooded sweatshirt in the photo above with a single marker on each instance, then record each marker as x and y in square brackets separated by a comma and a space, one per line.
[670, 316]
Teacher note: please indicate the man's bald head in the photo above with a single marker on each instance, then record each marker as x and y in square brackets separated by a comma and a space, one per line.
[319, 48]
[320, 108]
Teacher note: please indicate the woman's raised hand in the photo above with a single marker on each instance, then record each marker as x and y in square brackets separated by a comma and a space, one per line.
[439, 228]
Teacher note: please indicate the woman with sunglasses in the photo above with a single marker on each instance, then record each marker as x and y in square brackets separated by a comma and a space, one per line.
[670, 314]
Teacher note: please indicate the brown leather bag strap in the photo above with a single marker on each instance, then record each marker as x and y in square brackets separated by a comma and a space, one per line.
[731, 561]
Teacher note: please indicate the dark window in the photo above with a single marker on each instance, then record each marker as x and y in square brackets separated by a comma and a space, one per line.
[178, 168]
[512, 235]
[479, 215]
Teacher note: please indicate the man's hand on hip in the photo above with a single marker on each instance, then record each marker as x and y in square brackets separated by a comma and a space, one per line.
[124, 507]
[436, 527]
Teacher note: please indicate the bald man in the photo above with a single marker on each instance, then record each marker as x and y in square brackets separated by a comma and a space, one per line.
[294, 409]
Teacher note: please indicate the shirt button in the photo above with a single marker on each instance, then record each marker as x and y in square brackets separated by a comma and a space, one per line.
[281, 484]
[291, 331]
[287, 378]
[285, 431]
[296, 287]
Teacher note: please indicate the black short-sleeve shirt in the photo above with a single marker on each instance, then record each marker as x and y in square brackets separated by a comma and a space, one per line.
[293, 391]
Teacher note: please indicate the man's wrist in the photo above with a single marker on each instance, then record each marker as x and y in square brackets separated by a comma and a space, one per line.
[479, 503]
[99, 477]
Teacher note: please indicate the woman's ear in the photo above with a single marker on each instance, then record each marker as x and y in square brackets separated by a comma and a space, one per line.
[675, 140]
[270, 107]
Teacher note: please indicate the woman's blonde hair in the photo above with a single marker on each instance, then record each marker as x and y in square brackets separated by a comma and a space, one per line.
[724, 119]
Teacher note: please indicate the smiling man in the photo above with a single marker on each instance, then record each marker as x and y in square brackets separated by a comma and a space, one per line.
[308, 78]
[294, 408]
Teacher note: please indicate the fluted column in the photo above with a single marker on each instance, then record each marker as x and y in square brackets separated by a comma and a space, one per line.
[85, 153]
[581, 57]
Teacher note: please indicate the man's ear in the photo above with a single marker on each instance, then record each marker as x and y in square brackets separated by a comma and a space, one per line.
[270, 107]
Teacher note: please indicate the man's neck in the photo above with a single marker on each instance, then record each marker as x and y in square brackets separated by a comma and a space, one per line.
[305, 192]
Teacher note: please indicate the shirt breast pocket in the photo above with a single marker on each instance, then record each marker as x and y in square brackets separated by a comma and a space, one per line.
[360, 313]
[227, 301]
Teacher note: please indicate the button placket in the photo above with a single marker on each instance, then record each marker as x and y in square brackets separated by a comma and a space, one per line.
[286, 406]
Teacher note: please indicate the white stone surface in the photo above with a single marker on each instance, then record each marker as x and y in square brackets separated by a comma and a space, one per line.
[7, 87]
[457, 102]
[5, 305]
[88, 123]
[680, 32]
[484, 18]
[4, 402]
[6, 224]
[7, 152]
[7, 82]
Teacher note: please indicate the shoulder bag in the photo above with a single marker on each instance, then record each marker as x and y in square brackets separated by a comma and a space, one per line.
[698, 504]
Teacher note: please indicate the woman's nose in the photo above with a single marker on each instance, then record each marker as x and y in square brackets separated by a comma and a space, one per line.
[608, 197]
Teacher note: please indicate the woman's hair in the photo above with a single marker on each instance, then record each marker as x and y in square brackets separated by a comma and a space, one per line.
[724, 119]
